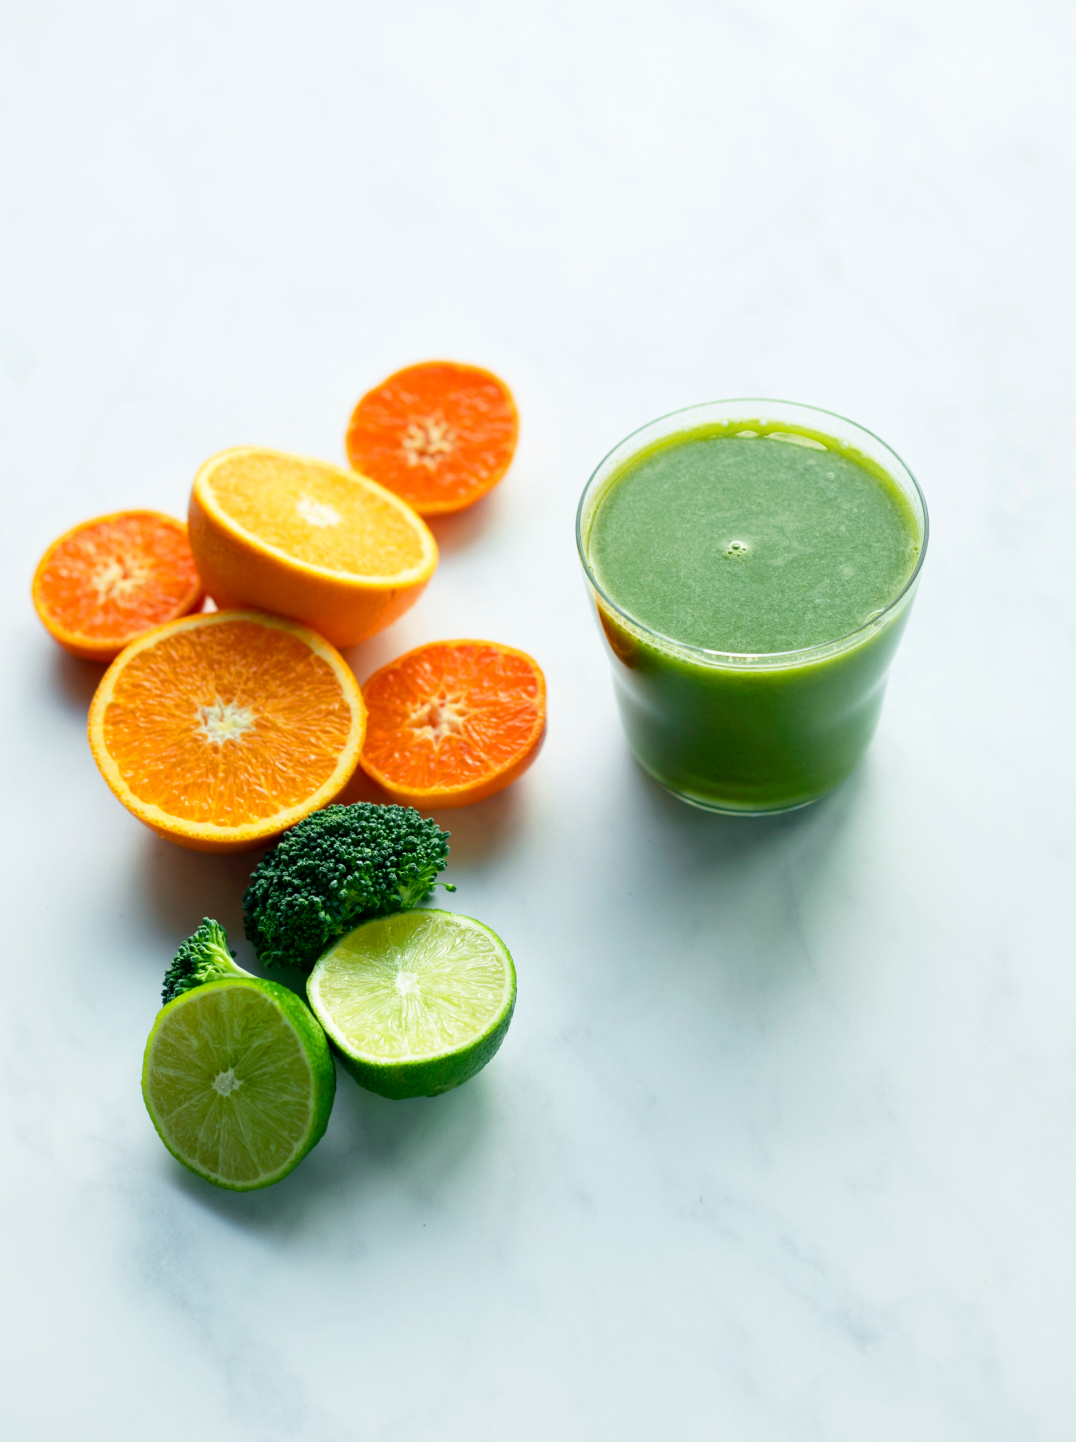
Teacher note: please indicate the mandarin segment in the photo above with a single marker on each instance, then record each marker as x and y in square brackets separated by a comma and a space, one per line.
[223, 730]
[453, 722]
[439, 434]
[307, 540]
[107, 581]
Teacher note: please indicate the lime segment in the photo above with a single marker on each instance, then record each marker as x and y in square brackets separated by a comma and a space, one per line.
[416, 1002]
[239, 1081]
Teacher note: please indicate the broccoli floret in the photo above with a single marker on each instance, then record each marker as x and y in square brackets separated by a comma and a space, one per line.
[202, 957]
[340, 866]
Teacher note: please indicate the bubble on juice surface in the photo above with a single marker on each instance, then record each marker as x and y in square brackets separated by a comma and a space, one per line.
[737, 550]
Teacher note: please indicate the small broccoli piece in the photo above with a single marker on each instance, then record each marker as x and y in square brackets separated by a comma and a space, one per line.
[202, 957]
[340, 866]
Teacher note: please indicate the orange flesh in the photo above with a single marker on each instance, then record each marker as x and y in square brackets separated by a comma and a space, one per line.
[228, 723]
[438, 434]
[316, 514]
[453, 716]
[112, 579]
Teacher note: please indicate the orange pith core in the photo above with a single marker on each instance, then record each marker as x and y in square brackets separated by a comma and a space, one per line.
[227, 723]
[112, 579]
[428, 441]
[438, 434]
[452, 715]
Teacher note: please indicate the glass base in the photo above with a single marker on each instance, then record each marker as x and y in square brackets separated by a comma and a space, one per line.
[719, 808]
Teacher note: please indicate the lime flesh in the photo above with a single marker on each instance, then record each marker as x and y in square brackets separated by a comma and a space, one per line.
[239, 1081]
[416, 1003]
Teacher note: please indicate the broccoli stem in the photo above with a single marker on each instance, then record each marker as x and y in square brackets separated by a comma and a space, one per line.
[204, 956]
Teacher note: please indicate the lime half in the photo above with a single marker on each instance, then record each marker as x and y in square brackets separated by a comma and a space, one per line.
[417, 1002]
[239, 1081]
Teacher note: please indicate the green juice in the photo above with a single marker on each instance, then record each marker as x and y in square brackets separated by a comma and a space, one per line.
[752, 579]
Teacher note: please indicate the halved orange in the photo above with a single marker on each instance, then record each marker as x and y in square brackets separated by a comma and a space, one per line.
[109, 580]
[453, 722]
[439, 434]
[308, 540]
[221, 730]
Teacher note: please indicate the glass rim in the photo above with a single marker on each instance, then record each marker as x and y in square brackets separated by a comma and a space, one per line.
[746, 658]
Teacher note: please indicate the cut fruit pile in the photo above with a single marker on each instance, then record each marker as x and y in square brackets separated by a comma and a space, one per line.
[414, 1003]
[219, 731]
[229, 729]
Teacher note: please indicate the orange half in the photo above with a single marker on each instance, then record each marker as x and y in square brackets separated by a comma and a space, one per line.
[219, 731]
[107, 581]
[305, 539]
[439, 434]
[453, 722]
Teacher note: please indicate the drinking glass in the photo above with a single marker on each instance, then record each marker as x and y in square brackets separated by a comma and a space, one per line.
[738, 733]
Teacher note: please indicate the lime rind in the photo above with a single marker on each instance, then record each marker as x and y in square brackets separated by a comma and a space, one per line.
[239, 1081]
[415, 1003]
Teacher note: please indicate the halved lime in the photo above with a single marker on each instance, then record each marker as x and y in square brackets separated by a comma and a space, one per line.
[416, 1002]
[239, 1081]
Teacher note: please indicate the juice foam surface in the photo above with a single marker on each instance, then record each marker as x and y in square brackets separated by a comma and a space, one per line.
[752, 544]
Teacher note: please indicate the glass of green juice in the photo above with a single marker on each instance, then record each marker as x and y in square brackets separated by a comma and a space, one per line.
[753, 565]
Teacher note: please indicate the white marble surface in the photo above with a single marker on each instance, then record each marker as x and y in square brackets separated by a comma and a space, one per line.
[781, 1143]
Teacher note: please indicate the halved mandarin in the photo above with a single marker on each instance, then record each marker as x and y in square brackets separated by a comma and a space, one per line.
[220, 731]
[453, 722]
[309, 540]
[439, 434]
[107, 581]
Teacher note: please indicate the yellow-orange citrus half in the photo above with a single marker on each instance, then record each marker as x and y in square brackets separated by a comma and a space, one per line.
[219, 731]
[107, 581]
[453, 722]
[309, 540]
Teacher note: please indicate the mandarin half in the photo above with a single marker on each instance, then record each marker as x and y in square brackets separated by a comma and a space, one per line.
[453, 722]
[107, 581]
[439, 434]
